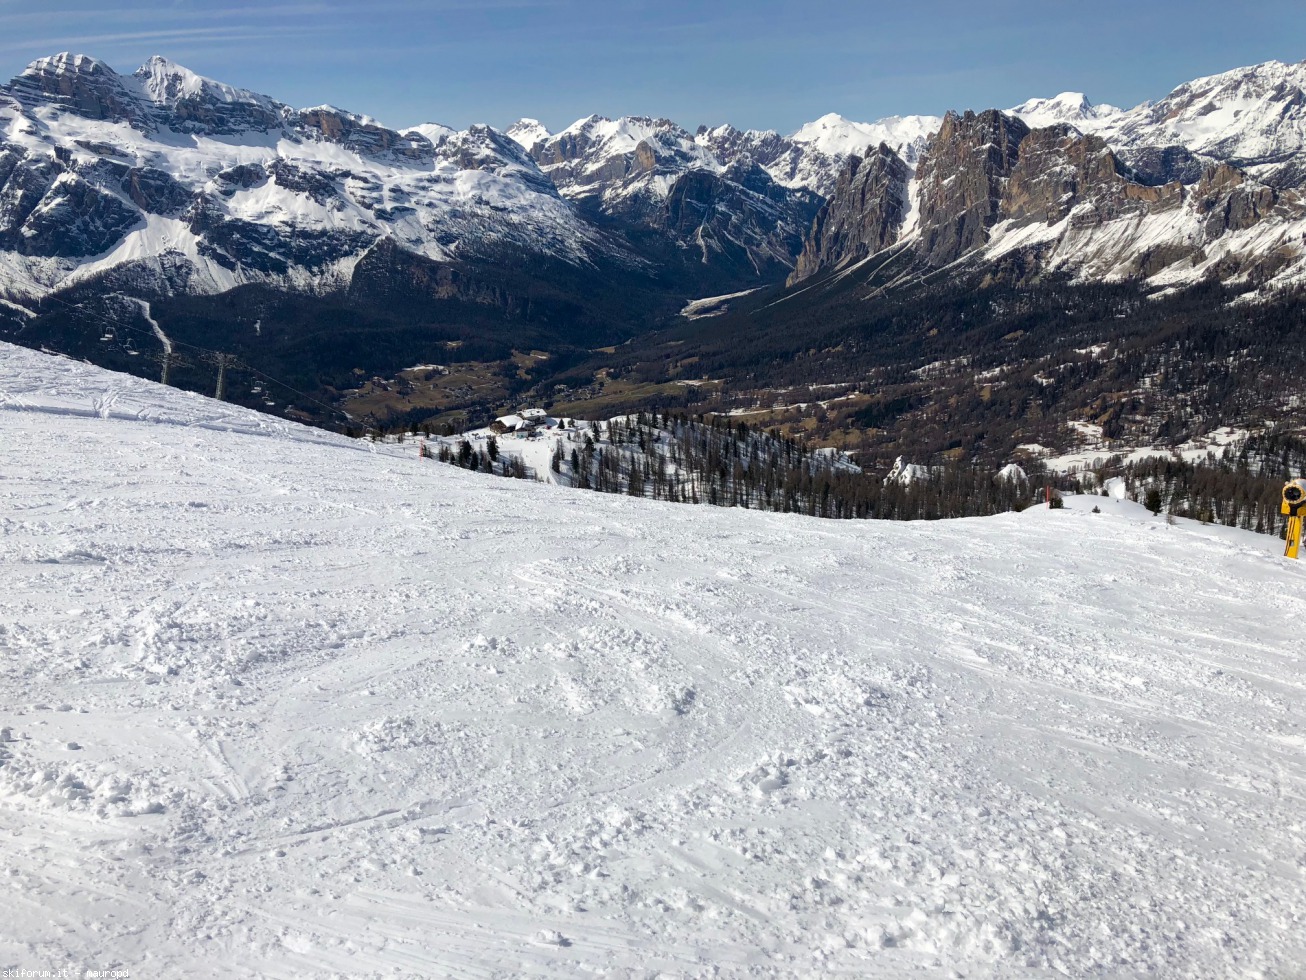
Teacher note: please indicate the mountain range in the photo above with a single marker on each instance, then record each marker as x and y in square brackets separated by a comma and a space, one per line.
[199, 186]
[209, 212]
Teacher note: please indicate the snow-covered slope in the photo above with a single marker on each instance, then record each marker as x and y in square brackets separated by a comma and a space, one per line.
[530, 133]
[634, 156]
[278, 704]
[171, 182]
[722, 207]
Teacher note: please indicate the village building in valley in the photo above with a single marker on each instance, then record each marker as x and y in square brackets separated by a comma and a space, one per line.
[527, 420]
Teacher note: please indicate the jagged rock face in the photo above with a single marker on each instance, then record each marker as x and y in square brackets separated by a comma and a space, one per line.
[962, 180]
[483, 148]
[362, 135]
[233, 243]
[988, 187]
[95, 164]
[1056, 169]
[764, 147]
[163, 96]
[789, 164]
[245, 175]
[78, 84]
[814, 156]
[155, 191]
[863, 216]
[187, 103]
[740, 215]
[24, 181]
[75, 220]
[92, 160]
[1253, 118]
[47, 210]
[615, 159]
[529, 134]
[1231, 202]
[650, 173]
[1163, 164]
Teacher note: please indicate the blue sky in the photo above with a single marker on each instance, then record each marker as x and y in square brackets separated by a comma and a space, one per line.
[770, 64]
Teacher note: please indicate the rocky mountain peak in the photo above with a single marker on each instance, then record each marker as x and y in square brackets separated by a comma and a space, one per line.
[362, 134]
[486, 149]
[68, 64]
[764, 146]
[528, 133]
[167, 82]
[188, 102]
[1068, 107]
[79, 84]
[1253, 117]
[962, 174]
[614, 158]
[864, 215]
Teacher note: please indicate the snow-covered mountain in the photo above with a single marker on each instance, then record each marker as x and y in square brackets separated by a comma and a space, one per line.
[619, 159]
[1071, 108]
[1253, 118]
[720, 190]
[167, 181]
[813, 156]
[198, 186]
[836, 137]
[719, 206]
[279, 703]
[167, 187]
[1206, 183]
[528, 133]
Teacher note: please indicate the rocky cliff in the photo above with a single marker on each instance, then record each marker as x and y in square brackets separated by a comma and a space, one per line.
[865, 213]
[961, 180]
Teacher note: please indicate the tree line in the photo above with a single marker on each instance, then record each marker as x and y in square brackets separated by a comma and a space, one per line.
[723, 462]
[1241, 487]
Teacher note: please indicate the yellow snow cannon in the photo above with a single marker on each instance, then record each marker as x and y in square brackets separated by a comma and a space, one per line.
[1294, 508]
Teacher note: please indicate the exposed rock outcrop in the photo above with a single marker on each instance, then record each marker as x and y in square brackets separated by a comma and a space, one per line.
[650, 174]
[962, 177]
[82, 85]
[864, 214]
[740, 215]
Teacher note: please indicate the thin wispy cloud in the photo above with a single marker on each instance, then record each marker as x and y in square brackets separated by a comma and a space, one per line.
[190, 36]
[127, 15]
[759, 63]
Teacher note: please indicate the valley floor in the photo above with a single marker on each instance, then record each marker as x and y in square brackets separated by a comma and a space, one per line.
[282, 704]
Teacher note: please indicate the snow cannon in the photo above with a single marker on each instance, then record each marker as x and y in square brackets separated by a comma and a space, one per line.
[1294, 508]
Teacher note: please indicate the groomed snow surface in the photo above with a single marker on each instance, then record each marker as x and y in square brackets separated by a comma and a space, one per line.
[279, 704]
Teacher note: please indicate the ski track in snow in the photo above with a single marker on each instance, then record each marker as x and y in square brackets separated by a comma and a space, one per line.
[338, 710]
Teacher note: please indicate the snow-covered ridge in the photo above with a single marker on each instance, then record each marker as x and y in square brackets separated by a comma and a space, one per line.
[1252, 117]
[168, 82]
[836, 136]
[1209, 182]
[283, 703]
[529, 133]
[1068, 107]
